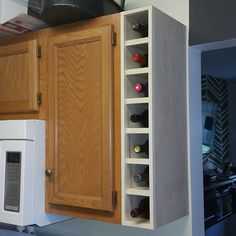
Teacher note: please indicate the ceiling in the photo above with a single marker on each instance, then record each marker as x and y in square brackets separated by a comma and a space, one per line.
[220, 63]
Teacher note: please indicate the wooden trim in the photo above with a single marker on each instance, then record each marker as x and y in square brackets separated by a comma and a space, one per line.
[33, 74]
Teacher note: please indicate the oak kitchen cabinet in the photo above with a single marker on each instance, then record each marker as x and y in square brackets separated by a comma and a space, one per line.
[78, 76]
[80, 99]
[19, 69]
[83, 120]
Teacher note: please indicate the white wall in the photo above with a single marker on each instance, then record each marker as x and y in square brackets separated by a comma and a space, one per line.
[195, 154]
[178, 9]
[11, 8]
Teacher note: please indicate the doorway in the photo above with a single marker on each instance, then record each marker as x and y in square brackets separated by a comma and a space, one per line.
[212, 69]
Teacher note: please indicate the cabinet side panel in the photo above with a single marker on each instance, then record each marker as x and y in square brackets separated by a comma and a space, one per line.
[170, 119]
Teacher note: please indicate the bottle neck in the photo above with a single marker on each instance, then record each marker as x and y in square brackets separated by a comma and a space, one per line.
[141, 59]
[138, 178]
[142, 29]
[135, 212]
[140, 88]
[138, 148]
[141, 148]
[135, 118]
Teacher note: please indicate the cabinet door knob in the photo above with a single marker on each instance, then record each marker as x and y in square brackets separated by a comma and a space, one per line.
[48, 172]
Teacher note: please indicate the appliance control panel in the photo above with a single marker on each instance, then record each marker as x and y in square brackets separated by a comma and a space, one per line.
[12, 181]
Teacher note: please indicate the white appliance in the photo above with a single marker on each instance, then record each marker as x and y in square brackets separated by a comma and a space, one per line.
[22, 178]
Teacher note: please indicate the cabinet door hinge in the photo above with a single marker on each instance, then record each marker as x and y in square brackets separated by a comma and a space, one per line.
[38, 51]
[39, 98]
[114, 198]
[113, 38]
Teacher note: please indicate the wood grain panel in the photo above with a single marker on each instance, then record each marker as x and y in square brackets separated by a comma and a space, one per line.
[45, 78]
[83, 134]
[79, 123]
[19, 77]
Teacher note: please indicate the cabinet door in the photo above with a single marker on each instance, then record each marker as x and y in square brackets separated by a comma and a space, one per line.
[80, 119]
[19, 77]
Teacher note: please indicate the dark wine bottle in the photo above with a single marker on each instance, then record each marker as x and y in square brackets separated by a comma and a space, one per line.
[142, 210]
[141, 28]
[140, 59]
[141, 148]
[141, 88]
[142, 178]
[141, 118]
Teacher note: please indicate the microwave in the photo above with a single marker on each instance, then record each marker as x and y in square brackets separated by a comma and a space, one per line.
[22, 178]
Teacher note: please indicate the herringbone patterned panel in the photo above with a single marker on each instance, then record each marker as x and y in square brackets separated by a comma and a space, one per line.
[215, 90]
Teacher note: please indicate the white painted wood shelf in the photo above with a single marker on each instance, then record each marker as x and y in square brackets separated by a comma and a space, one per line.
[133, 102]
[166, 99]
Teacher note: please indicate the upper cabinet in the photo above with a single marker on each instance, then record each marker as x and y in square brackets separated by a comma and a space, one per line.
[19, 80]
[80, 112]
[82, 166]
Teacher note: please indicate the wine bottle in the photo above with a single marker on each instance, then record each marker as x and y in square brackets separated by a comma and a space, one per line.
[141, 28]
[142, 210]
[141, 118]
[141, 88]
[140, 59]
[142, 178]
[141, 148]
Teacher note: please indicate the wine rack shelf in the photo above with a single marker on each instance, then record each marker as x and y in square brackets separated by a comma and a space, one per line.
[134, 42]
[138, 161]
[137, 71]
[138, 192]
[154, 143]
[137, 100]
[137, 130]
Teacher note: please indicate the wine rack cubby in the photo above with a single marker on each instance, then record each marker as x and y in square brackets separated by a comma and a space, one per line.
[159, 88]
[131, 81]
[137, 109]
[141, 49]
[132, 204]
[133, 141]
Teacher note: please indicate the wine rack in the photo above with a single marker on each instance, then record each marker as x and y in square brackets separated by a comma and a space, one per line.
[133, 103]
[160, 83]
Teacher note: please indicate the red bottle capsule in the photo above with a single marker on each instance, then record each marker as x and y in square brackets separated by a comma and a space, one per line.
[141, 88]
[141, 59]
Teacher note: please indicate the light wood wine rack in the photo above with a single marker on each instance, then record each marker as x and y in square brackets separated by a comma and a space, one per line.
[166, 79]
